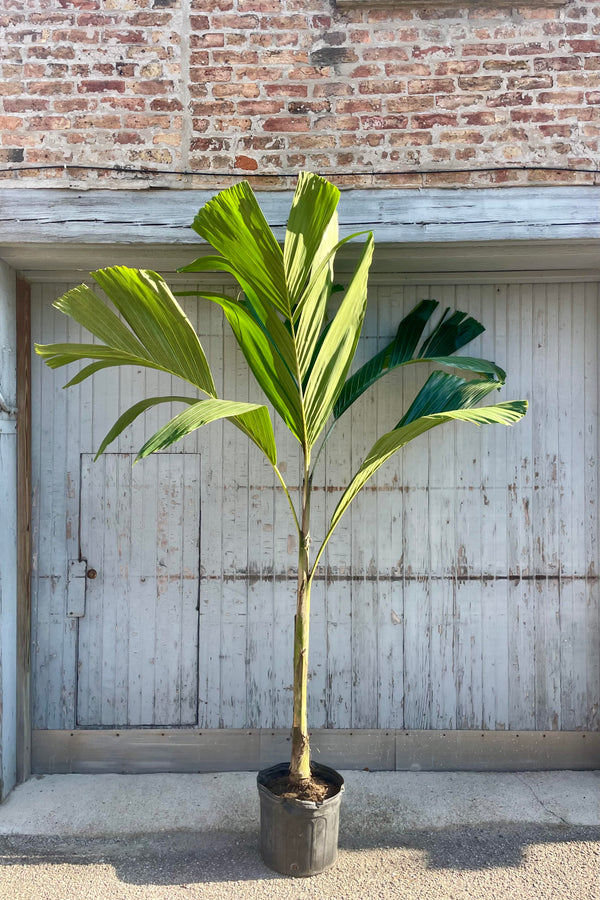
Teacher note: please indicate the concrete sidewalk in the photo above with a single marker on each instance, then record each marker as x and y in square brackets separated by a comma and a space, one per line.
[406, 835]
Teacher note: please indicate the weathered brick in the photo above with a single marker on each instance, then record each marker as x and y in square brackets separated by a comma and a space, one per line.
[286, 123]
[511, 98]
[383, 123]
[332, 56]
[557, 63]
[560, 98]
[529, 82]
[461, 136]
[457, 67]
[259, 107]
[99, 87]
[480, 83]
[382, 87]
[428, 120]
[431, 86]
[484, 117]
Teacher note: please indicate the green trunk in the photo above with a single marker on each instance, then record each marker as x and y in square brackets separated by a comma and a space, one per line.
[300, 761]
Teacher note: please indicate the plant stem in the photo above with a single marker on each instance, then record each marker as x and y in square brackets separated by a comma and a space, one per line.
[300, 761]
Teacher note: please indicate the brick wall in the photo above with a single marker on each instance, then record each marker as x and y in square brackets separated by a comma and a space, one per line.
[260, 87]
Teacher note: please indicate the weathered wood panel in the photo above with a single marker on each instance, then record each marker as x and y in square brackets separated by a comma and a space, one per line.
[139, 751]
[137, 652]
[42, 215]
[9, 582]
[461, 589]
[23, 360]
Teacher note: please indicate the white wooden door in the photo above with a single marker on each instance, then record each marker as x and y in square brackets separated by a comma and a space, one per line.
[137, 649]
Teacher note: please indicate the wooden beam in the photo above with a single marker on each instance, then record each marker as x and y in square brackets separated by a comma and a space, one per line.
[44, 215]
[137, 751]
[23, 530]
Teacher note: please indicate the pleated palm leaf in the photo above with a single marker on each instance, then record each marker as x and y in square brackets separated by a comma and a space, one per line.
[298, 351]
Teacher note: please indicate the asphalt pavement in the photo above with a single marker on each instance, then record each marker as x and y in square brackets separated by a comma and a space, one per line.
[419, 836]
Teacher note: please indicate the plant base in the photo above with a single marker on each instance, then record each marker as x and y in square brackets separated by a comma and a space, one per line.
[299, 837]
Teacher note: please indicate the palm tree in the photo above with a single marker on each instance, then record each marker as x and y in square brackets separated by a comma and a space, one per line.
[299, 352]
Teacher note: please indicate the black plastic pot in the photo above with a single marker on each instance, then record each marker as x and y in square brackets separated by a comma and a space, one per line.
[299, 837]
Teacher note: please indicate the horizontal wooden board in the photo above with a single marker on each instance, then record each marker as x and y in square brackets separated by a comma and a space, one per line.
[215, 750]
[39, 215]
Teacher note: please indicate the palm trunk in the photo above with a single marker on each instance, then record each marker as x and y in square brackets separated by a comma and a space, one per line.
[300, 761]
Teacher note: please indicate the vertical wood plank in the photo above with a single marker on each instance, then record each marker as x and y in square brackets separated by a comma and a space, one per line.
[23, 677]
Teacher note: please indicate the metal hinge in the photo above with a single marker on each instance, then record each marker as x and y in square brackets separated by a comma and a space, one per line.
[76, 577]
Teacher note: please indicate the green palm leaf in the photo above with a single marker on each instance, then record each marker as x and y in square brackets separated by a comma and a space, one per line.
[234, 224]
[333, 360]
[449, 335]
[132, 414]
[265, 360]
[159, 335]
[314, 204]
[202, 413]
[500, 414]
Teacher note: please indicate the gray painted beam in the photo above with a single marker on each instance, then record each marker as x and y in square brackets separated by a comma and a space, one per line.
[225, 750]
[8, 532]
[44, 215]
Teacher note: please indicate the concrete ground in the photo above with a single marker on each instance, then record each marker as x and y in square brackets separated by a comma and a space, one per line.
[419, 836]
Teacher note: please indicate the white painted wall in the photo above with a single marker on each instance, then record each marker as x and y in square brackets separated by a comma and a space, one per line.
[8, 531]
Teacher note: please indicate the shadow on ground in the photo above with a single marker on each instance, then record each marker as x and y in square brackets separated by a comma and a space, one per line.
[180, 858]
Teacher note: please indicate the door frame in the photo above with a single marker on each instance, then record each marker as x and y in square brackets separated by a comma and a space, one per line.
[518, 231]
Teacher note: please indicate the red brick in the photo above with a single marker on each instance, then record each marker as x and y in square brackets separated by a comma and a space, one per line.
[512, 98]
[481, 83]
[531, 115]
[10, 123]
[429, 120]
[99, 87]
[128, 137]
[161, 104]
[283, 90]
[212, 39]
[259, 107]
[384, 122]
[484, 49]
[433, 50]
[235, 23]
[49, 88]
[479, 118]
[529, 82]
[462, 136]
[211, 73]
[25, 104]
[358, 106]
[530, 49]
[505, 65]
[407, 69]
[338, 123]
[457, 67]
[286, 123]
[246, 163]
[49, 123]
[303, 107]
[382, 87]
[431, 86]
[410, 104]
[556, 130]
[583, 46]
[560, 98]
[557, 63]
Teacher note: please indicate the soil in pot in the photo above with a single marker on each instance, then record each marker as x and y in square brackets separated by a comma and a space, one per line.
[316, 789]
